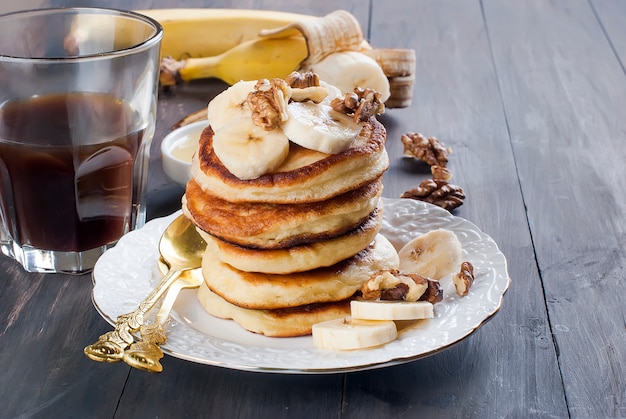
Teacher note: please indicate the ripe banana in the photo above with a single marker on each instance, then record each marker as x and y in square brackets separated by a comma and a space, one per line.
[251, 60]
[434, 254]
[247, 150]
[230, 104]
[391, 310]
[205, 32]
[350, 69]
[190, 35]
[349, 334]
[319, 127]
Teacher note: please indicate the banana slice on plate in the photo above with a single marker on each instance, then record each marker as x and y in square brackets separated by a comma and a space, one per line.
[391, 310]
[348, 334]
[319, 127]
[230, 104]
[247, 150]
[434, 255]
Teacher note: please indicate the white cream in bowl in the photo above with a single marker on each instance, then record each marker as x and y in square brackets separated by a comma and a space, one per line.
[177, 149]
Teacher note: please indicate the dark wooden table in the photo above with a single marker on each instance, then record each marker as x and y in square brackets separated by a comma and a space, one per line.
[531, 97]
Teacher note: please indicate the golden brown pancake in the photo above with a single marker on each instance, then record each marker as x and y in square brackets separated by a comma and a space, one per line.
[305, 176]
[289, 322]
[297, 258]
[271, 291]
[275, 226]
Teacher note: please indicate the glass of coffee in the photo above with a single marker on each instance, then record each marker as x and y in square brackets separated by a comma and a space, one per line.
[78, 96]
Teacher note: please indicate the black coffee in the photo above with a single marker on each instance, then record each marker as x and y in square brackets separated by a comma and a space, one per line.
[66, 170]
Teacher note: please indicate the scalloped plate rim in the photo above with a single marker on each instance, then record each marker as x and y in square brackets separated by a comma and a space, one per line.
[446, 218]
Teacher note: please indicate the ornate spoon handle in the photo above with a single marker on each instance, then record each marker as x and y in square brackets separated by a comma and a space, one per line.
[110, 346]
[145, 355]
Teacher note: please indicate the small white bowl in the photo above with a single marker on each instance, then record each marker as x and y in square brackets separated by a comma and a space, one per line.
[177, 148]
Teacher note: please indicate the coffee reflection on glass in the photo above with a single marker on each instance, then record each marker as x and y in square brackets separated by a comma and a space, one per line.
[78, 91]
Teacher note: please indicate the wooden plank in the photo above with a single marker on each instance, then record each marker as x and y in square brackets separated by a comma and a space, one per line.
[564, 94]
[612, 15]
[508, 368]
[45, 321]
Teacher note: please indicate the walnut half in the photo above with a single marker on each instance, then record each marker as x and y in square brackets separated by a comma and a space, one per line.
[268, 103]
[464, 279]
[361, 104]
[394, 285]
[429, 150]
[438, 192]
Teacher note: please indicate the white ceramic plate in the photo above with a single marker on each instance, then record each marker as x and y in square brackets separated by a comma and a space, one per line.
[127, 273]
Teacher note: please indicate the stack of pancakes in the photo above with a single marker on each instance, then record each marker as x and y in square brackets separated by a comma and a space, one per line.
[291, 248]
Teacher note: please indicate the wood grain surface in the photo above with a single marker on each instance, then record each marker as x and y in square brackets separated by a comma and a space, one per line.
[531, 98]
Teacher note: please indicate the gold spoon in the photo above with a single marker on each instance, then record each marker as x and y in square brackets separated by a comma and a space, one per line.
[181, 247]
[145, 355]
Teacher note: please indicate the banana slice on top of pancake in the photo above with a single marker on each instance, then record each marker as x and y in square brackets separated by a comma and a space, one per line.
[249, 151]
[319, 127]
[230, 104]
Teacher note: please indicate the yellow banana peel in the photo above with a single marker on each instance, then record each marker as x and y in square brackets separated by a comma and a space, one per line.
[251, 60]
[204, 32]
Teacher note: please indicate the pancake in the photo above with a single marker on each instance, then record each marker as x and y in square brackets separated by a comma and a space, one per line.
[271, 291]
[290, 322]
[305, 176]
[297, 258]
[274, 226]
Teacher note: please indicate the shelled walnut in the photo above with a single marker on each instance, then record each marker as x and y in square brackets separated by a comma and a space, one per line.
[268, 103]
[433, 293]
[440, 173]
[361, 104]
[303, 80]
[429, 150]
[437, 192]
[394, 285]
[464, 279]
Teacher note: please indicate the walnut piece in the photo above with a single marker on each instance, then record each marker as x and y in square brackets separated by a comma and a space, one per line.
[429, 150]
[440, 173]
[393, 285]
[433, 293]
[464, 279]
[438, 192]
[361, 104]
[303, 80]
[268, 102]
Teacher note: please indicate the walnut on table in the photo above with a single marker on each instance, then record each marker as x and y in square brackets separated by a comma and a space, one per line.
[437, 192]
[429, 150]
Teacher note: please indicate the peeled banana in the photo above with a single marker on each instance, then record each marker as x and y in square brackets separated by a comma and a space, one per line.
[350, 69]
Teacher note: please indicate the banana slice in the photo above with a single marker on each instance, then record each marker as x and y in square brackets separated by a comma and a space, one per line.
[391, 310]
[249, 151]
[348, 333]
[230, 104]
[319, 127]
[350, 69]
[433, 255]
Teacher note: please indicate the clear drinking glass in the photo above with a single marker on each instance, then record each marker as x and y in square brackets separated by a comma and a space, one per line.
[78, 95]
